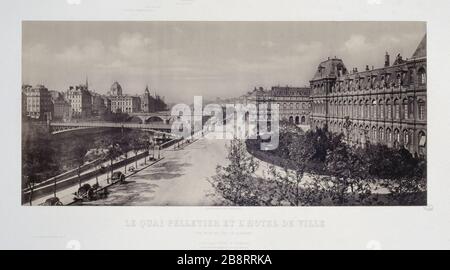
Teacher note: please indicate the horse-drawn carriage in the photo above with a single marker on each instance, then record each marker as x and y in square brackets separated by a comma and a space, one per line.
[53, 201]
[90, 193]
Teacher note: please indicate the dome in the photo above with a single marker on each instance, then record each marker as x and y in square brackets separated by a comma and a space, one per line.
[116, 89]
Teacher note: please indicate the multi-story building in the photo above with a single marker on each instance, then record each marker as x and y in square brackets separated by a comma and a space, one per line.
[107, 103]
[38, 102]
[151, 103]
[115, 90]
[24, 103]
[385, 105]
[145, 101]
[62, 109]
[80, 101]
[98, 104]
[293, 102]
[123, 103]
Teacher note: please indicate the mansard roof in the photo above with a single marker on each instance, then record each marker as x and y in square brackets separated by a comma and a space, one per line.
[290, 91]
[330, 69]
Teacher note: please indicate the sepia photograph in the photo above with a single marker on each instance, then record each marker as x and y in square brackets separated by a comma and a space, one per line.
[224, 113]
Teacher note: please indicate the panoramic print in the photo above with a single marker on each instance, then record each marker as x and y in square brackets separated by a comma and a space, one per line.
[153, 113]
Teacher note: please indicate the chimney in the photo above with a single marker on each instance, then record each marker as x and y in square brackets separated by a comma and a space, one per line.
[386, 60]
[367, 67]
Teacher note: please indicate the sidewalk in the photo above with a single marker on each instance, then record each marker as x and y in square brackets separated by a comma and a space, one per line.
[66, 196]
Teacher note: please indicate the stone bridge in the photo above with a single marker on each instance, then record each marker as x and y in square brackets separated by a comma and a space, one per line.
[149, 118]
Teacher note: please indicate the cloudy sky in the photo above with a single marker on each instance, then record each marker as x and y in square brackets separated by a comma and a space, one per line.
[181, 59]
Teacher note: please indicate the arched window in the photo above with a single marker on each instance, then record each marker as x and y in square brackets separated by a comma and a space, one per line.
[422, 142]
[388, 109]
[399, 79]
[374, 109]
[361, 109]
[389, 135]
[397, 137]
[381, 109]
[374, 134]
[397, 109]
[405, 108]
[422, 76]
[366, 109]
[421, 107]
[406, 139]
[381, 134]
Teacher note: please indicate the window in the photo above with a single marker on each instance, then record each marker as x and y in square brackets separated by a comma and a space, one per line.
[421, 105]
[389, 135]
[388, 109]
[374, 109]
[397, 136]
[405, 108]
[422, 76]
[366, 109]
[361, 109]
[381, 136]
[406, 137]
[381, 109]
[345, 109]
[397, 109]
[422, 139]
[399, 79]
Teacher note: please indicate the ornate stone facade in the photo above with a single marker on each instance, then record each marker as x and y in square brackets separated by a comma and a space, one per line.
[293, 102]
[385, 105]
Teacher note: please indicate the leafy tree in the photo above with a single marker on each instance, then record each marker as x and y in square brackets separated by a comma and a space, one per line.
[138, 141]
[406, 191]
[125, 147]
[80, 158]
[112, 153]
[236, 181]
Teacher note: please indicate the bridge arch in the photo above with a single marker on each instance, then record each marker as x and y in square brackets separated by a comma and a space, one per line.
[136, 119]
[155, 119]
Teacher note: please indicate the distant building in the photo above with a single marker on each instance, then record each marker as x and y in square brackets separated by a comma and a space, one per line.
[62, 109]
[107, 103]
[115, 90]
[80, 101]
[38, 102]
[293, 102]
[98, 104]
[24, 103]
[123, 103]
[145, 101]
[386, 105]
[151, 103]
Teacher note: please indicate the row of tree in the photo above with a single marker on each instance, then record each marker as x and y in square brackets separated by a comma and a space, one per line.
[40, 157]
[319, 168]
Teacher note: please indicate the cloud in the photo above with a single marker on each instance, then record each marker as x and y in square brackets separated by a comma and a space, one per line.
[132, 45]
[356, 43]
[89, 52]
